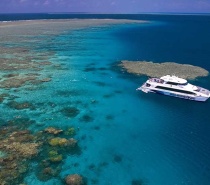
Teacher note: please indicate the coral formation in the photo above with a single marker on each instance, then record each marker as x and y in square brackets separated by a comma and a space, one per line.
[160, 69]
[52, 130]
[58, 141]
[70, 131]
[62, 142]
[74, 179]
[86, 118]
[45, 79]
[137, 182]
[19, 106]
[70, 112]
[72, 142]
[18, 146]
[56, 158]
[16, 82]
[3, 96]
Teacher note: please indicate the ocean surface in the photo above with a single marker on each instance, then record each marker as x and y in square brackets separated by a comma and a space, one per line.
[126, 137]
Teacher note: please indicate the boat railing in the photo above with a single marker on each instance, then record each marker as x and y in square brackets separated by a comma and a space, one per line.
[202, 90]
[157, 80]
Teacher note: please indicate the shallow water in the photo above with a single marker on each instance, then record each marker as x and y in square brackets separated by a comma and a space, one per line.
[125, 136]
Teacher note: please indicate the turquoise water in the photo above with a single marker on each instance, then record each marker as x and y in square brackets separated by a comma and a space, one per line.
[126, 137]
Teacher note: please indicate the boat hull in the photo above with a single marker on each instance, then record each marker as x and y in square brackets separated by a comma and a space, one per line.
[195, 98]
[202, 99]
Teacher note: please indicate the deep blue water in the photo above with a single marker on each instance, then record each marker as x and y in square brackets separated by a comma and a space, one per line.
[160, 140]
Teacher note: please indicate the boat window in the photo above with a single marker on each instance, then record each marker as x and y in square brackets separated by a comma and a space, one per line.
[172, 83]
[184, 83]
[148, 85]
[175, 90]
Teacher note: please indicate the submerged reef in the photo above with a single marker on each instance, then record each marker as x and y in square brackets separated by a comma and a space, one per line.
[26, 65]
[52, 130]
[70, 111]
[75, 179]
[152, 69]
[139, 182]
[62, 142]
[21, 105]
[17, 81]
[3, 96]
[19, 146]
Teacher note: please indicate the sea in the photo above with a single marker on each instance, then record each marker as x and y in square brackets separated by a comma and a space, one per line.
[126, 137]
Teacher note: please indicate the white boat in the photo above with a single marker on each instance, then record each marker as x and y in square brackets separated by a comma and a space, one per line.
[175, 86]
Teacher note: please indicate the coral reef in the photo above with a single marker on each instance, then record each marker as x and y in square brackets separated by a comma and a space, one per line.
[18, 147]
[3, 96]
[46, 80]
[62, 142]
[58, 141]
[137, 182]
[17, 81]
[160, 69]
[57, 158]
[70, 131]
[72, 142]
[21, 105]
[117, 158]
[86, 118]
[70, 112]
[74, 179]
[52, 130]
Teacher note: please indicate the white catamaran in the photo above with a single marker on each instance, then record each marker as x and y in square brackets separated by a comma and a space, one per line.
[174, 86]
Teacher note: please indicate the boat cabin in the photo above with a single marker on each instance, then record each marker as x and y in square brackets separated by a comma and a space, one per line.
[173, 80]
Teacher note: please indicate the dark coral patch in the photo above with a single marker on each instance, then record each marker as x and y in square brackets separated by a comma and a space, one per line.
[21, 123]
[3, 96]
[68, 93]
[91, 166]
[107, 95]
[76, 165]
[10, 75]
[70, 111]
[51, 104]
[86, 118]
[83, 137]
[103, 164]
[21, 105]
[101, 84]
[89, 69]
[47, 173]
[118, 92]
[102, 68]
[96, 128]
[109, 117]
[117, 158]
[94, 181]
[137, 182]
